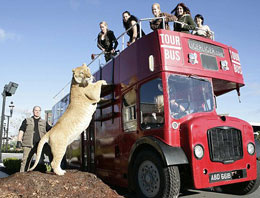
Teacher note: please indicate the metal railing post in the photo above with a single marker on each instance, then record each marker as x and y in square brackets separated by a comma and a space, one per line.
[140, 26]
[6, 134]
[123, 42]
[163, 23]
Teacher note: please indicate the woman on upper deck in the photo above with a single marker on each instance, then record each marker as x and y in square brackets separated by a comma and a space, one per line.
[129, 21]
[158, 23]
[202, 30]
[184, 23]
[106, 41]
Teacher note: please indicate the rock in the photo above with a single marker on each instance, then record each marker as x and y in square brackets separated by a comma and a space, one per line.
[47, 185]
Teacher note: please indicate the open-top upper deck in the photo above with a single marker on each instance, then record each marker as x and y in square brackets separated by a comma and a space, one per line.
[199, 56]
[171, 51]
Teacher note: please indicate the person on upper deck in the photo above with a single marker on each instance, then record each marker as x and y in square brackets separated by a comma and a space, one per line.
[106, 41]
[184, 23]
[129, 21]
[158, 23]
[201, 30]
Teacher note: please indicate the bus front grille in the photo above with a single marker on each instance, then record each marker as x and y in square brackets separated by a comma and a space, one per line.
[225, 144]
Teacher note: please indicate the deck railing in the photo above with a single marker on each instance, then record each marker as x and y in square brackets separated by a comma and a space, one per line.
[96, 57]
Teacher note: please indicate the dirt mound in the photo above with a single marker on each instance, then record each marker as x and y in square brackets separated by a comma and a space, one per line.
[72, 184]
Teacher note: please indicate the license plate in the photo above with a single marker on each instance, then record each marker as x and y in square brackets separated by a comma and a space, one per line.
[228, 175]
[221, 176]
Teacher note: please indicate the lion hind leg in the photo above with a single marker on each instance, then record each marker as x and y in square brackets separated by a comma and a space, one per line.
[56, 162]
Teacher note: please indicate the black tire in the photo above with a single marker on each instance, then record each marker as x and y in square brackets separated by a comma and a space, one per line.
[242, 188]
[153, 180]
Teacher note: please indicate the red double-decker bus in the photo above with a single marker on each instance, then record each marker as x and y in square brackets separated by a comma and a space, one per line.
[156, 129]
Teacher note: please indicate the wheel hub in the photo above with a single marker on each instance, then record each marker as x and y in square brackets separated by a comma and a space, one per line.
[149, 179]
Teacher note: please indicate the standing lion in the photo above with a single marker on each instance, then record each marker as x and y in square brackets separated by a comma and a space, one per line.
[84, 96]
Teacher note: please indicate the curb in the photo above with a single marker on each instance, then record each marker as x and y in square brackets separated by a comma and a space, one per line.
[2, 174]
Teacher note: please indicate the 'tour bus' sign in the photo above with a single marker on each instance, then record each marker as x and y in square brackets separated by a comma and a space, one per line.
[171, 47]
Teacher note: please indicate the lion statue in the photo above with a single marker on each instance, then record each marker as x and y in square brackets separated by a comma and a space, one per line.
[84, 96]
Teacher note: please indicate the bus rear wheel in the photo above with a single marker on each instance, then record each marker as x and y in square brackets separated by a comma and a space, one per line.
[152, 179]
[242, 188]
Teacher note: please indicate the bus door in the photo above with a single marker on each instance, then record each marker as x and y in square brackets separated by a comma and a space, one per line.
[129, 127]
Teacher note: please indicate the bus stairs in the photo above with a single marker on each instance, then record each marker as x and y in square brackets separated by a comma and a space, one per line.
[107, 101]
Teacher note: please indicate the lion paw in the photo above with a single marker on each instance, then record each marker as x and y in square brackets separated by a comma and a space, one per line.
[59, 171]
[103, 82]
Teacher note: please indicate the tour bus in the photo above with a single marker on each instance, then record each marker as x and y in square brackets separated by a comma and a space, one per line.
[156, 130]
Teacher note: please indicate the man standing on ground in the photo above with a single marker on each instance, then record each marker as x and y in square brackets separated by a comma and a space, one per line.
[30, 133]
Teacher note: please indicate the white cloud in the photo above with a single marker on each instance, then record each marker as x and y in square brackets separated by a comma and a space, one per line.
[8, 35]
[2, 34]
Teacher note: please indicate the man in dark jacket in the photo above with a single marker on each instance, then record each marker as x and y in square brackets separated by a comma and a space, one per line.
[30, 133]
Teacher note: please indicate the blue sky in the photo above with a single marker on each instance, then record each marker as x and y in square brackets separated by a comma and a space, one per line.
[42, 40]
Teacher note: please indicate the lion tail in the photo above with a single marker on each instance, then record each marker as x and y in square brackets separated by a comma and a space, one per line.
[44, 139]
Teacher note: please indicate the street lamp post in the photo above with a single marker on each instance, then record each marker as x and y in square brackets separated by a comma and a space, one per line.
[11, 106]
[9, 90]
[6, 132]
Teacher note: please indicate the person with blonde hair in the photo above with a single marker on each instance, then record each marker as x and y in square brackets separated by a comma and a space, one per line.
[158, 23]
[106, 41]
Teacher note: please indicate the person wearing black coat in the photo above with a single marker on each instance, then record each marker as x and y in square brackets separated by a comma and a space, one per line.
[129, 21]
[106, 41]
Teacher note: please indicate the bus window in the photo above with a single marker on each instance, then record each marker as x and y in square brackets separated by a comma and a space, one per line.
[189, 95]
[59, 109]
[152, 104]
[129, 111]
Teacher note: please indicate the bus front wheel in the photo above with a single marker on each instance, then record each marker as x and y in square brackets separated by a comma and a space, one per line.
[152, 179]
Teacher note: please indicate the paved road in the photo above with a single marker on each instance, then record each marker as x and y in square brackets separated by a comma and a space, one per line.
[200, 194]
[12, 155]
[208, 194]
[20, 156]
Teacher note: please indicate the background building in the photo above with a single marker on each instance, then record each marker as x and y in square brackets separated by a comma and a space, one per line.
[48, 116]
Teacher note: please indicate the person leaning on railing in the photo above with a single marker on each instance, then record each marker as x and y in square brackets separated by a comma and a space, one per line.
[202, 30]
[106, 41]
[158, 23]
[184, 23]
[128, 22]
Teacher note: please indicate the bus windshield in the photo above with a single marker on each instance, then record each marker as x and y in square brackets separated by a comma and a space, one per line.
[189, 95]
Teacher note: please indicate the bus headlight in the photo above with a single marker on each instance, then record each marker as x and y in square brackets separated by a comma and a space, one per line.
[199, 151]
[251, 148]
